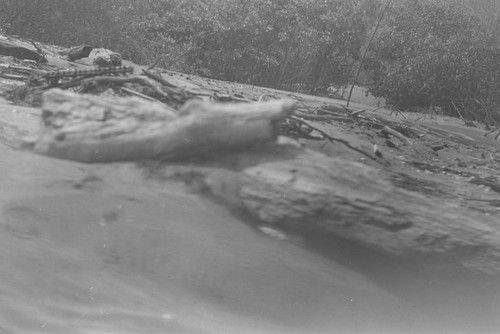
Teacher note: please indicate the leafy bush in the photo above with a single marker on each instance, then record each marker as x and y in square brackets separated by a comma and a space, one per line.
[434, 53]
[274, 43]
[426, 52]
[65, 22]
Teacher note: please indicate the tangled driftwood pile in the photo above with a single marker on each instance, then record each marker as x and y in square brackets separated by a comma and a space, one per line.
[110, 114]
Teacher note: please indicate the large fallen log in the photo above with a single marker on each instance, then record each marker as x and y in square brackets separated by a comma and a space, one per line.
[288, 186]
[277, 184]
[89, 128]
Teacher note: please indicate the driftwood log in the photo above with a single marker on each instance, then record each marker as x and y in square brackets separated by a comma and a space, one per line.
[18, 51]
[77, 52]
[89, 128]
[277, 184]
[289, 186]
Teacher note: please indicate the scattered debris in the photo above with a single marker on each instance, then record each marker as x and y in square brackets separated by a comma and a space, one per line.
[20, 52]
[114, 113]
[78, 52]
[106, 58]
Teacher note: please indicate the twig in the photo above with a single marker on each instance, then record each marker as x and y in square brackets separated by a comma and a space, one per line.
[154, 64]
[366, 51]
[37, 47]
[333, 113]
[491, 131]
[356, 112]
[342, 141]
[158, 78]
[229, 98]
[136, 93]
[19, 68]
[396, 134]
[456, 109]
[12, 76]
[42, 54]
[121, 80]
[398, 112]
[325, 118]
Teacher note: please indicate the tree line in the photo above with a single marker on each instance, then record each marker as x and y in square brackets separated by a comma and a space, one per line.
[442, 53]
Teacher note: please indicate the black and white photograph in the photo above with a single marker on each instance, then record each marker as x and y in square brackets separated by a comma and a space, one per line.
[249, 166]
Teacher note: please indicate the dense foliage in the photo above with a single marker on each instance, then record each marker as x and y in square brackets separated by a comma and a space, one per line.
[424, 53]
[429, 54]
[276, 43]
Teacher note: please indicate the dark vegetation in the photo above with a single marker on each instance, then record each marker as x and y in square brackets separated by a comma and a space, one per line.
[425, 53]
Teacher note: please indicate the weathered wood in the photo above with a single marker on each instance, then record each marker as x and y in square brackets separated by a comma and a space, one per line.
[88, 128]
[301, 188]
[396, 134]
[17, 51]
[77, 52]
